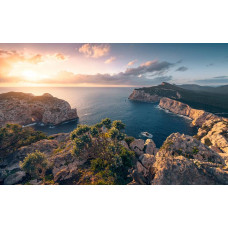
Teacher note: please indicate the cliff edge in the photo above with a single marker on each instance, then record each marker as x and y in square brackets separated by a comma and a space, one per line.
[25, 108]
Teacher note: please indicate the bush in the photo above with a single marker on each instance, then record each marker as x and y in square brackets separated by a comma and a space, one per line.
[80, 130]
[14, 136]
[94, 132]
[35, 164]
[129, 140]
[107, 123]
[113, 133]
[118, 125]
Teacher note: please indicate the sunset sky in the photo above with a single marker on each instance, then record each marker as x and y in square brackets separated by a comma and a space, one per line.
[112, 64]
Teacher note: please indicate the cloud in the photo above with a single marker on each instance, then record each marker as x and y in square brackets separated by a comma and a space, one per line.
[111, 59]
[60, 56]
[132, 62]
[182, 69]
[148, 73]
[36, 59]
[214, 80]
[151, 68]
[94, 50]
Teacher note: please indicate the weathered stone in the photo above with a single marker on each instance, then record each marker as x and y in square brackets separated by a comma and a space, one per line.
[147, 160]
[137, 146]
[24, 108]
[150, 146]
[15, 178]
[140, 95]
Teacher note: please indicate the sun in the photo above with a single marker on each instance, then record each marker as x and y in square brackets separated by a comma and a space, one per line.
[32, 76]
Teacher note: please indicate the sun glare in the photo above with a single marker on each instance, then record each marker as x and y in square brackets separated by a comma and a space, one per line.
[32, 76]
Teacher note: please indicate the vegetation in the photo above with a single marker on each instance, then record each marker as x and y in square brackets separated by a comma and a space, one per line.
[129, 140]
[209, 101]
[108, 161]
[35, 164]
[14, 136]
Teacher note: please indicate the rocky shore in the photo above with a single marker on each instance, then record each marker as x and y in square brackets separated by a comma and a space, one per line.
[24, 109]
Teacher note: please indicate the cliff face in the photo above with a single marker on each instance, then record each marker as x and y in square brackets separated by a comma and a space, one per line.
[213, 129]
[198, 116]
[140, 95]
[22, 108]
[181, 160]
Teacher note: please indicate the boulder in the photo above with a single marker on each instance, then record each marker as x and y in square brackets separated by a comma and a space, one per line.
[150, 147]
[137, 146]
[15, 178]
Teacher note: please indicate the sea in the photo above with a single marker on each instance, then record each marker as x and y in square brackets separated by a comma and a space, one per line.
[94, 104]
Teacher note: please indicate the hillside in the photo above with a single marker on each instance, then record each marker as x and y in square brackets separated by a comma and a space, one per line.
[103, 154]
[211, 102]
[219, 89]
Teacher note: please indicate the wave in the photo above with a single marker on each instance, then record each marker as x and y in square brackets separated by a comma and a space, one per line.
[29, 125]
[167, 111]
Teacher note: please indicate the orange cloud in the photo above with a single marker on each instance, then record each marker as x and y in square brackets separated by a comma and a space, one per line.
[94, 50]
[36, 59]
[132, 62]
[111, 59]
[60, 56]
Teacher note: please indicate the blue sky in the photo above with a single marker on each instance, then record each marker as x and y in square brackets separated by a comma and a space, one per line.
[112, 64]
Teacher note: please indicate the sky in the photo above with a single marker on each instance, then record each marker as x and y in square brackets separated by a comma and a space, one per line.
[112, 64]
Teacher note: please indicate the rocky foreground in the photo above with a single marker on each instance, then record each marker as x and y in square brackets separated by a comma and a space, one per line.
[24, 108]
[101, 154]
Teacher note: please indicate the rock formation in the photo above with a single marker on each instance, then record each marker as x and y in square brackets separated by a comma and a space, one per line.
[213, 130]
[141, 95]
[24, 109]
[181, 160]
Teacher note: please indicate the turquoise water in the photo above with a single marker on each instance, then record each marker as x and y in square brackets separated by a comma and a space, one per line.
[94, 104]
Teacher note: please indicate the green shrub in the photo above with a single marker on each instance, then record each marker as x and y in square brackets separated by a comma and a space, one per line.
[107, 123]
[94, 132]
[129, 140]
[35, 164]
[118, 125]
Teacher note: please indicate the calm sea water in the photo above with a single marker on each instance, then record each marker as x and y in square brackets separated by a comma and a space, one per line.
[94, 104]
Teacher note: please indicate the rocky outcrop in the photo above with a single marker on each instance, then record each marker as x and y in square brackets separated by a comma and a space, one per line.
[24, 109]
[198, 116]
[181, 160]
[141, 95]
[213, 129]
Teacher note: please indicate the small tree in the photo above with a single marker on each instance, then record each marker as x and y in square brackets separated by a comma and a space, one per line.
[35, 164]
[118, 125]
[107, 123]
[94, 132]
[113, 133]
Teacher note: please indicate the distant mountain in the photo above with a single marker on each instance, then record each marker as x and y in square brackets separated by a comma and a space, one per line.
[219, 89]
[196, 97]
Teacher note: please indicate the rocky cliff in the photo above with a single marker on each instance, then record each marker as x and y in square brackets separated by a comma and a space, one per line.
[213, 130]
[24, 108]
[182, 159]
[141, 95]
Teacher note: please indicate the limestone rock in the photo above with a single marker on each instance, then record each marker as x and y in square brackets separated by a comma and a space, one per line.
[137, 146]
[24, 108]
[140, 95]
[14, 178]
[150, 147]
